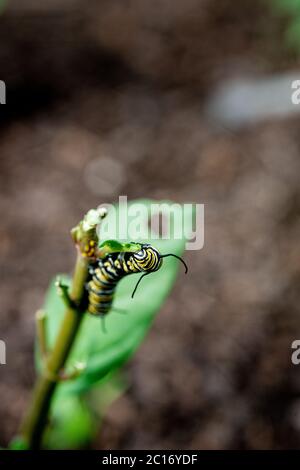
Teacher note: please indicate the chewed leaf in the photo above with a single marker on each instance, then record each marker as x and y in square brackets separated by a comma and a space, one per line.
[104, 353]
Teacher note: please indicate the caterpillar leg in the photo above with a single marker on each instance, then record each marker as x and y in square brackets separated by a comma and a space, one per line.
[63, 292]
[103, 326]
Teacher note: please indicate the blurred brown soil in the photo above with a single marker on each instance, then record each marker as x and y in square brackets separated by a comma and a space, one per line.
[127, 80]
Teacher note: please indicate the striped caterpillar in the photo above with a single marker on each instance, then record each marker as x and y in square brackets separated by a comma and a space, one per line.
[119, 261]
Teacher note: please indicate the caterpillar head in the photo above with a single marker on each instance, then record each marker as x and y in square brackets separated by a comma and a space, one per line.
[149, 259]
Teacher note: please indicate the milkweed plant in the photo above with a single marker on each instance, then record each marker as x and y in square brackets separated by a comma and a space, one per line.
[79, 358]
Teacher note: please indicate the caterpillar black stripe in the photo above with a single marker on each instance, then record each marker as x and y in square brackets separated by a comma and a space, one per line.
[107, 272]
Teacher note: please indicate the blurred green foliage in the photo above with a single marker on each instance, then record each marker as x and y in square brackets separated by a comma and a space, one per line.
[79, 404]
[3, 4]
[291, 10]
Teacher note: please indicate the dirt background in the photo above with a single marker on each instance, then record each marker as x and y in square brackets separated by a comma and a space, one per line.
[107, 98]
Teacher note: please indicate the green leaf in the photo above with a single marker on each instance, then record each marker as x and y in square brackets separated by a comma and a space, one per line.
[17, 443]
[75, 419]
[293, 34]
[72, 423]
[113, 246]
[287, 6]
[290, 9]
[2, 5]
[104, 353]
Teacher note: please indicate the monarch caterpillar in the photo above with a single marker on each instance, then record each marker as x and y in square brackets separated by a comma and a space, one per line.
[119, 261]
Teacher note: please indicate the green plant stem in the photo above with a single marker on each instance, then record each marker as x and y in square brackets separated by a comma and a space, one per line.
[36, 419]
